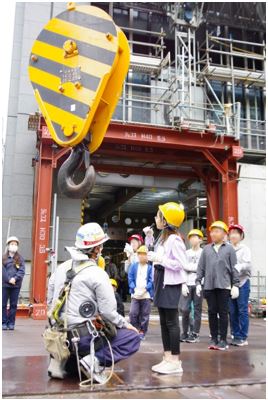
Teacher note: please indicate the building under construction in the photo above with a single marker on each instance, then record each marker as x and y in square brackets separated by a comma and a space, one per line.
[189, 126]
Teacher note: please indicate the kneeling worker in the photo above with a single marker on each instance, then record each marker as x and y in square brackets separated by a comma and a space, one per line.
[88, 300]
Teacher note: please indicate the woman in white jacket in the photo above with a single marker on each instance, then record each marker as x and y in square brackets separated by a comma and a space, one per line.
[169, 260]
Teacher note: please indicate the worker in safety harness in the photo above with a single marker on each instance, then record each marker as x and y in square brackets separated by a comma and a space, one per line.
[86, 333]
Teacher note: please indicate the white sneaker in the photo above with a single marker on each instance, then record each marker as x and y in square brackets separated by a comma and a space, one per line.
[242, 343]
[98, 375]
[56, 369]
[171, 367]
[156, 367]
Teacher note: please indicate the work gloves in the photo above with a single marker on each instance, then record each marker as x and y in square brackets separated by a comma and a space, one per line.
[128, 250]
[184, 290]
[148, 230]
[198, 290]
[234, 292]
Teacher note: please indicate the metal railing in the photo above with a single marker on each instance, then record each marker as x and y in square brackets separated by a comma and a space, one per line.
[177, 93]
[253, 134]
[160, 110]
[154, 106]
[258, 286]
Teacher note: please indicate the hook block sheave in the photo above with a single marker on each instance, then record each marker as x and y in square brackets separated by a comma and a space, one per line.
[77, 67]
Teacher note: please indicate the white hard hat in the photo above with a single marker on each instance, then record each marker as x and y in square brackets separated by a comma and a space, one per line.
[12, 239]
[90, 235]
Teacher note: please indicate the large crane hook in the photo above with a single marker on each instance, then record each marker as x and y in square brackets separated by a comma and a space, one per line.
[77, 67]
[66, 174]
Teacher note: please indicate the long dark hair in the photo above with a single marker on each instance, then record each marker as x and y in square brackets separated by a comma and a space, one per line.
[16, 258]
[167, 231]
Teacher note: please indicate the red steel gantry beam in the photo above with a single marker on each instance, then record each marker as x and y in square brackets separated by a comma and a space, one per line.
[212, 161]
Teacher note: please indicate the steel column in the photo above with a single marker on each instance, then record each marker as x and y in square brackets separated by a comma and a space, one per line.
[41, 223]
[213, 201]
[229, 193]
[211, 179]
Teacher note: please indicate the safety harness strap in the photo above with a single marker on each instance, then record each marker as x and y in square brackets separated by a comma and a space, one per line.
[65, 291]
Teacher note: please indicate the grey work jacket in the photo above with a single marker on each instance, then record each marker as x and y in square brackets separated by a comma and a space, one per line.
[217, 269]
[90, 283]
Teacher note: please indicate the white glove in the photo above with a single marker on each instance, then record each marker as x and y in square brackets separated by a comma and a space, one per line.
[234, 292]
[184, 290]
[198, 290]
[128, 249]
[148, 230]
[153, 257]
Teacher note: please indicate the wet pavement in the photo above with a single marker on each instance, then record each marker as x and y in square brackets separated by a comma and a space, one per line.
[236, 373]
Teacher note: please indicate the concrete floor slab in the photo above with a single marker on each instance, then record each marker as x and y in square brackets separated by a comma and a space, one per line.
[207, 373]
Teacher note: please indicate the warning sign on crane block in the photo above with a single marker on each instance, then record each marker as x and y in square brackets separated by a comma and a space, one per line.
[77, 67]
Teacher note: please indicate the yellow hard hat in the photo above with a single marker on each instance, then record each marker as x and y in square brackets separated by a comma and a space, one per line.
[219, 224]
[142, 249]
[114, 283]
[196, 232]
[173, 213]
[101, 262]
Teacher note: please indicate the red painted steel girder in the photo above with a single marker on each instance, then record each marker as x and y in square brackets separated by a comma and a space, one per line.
[147, 143]
[169, 138]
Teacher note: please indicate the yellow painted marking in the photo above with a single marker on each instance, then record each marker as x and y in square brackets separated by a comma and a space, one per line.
[56, 54]
[52, 82]
[102, 101]
[62, 117]
[83, 34]
[110, 96]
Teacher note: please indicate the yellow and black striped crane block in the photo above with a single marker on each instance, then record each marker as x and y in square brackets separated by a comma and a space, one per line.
[77, 67]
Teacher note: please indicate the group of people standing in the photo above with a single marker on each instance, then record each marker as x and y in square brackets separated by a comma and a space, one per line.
[163, 272]
[176, 279]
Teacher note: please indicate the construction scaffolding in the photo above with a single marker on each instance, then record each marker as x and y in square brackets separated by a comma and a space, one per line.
[180, 88]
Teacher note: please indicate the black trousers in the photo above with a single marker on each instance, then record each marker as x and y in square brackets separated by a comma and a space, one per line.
[185, 309]
[170, 329]
[218, 304]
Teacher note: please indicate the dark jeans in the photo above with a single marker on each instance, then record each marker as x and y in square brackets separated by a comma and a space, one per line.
[170, 329]
[185, 308]
[140, 313]
[239, 312]
[11, 295]
[218, 303]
